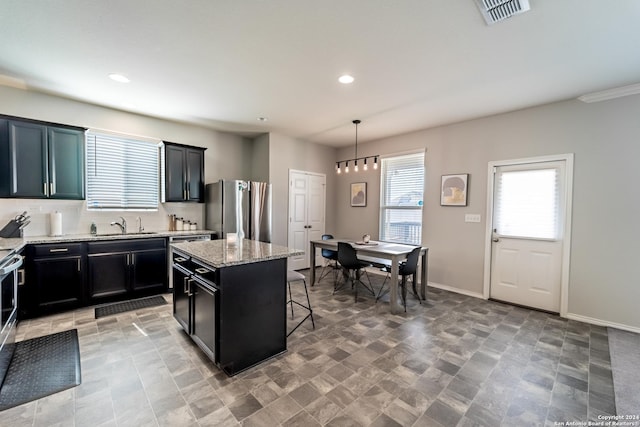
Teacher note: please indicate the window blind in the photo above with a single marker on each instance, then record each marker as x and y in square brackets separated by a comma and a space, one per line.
[401, 198]
[527, 203]
[122, 172]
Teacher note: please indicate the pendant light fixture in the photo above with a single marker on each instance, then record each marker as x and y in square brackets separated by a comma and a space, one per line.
[356, 159]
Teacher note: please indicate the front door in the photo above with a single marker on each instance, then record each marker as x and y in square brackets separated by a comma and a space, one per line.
[528, 233]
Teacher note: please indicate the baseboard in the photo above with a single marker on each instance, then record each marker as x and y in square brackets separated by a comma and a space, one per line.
[601, 322]
[456, 290]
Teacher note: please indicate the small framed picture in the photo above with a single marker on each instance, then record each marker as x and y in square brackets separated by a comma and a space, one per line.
[359, 194]
[454, 189]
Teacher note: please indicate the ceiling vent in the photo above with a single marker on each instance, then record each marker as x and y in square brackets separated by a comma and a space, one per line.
[497, 10]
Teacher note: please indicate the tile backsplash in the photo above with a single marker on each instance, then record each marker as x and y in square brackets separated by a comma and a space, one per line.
[76, 219]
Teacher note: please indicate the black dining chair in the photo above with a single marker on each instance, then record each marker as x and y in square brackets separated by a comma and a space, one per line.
[409, 267]
[332, 260]
[352, 269]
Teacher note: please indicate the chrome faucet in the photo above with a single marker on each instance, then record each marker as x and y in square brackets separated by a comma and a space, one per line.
[122, 225]
[139, 224]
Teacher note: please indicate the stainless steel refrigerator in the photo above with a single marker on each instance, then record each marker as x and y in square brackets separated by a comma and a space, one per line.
[243, 207]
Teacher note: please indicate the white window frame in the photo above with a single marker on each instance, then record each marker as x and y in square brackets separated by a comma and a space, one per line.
[384, 207]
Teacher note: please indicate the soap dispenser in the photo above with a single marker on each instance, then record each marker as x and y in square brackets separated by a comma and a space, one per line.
[94, 229]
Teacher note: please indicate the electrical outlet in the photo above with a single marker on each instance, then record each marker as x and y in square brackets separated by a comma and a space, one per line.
[472, 218]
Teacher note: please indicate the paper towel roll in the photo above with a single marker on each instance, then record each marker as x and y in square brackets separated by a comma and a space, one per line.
[56, 223]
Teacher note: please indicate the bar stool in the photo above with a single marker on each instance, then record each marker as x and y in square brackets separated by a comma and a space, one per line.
[294, 276]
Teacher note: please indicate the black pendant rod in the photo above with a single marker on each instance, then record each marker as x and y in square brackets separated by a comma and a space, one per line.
[356, 122]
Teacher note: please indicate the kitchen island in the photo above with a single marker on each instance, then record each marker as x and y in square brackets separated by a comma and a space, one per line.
[231, 299]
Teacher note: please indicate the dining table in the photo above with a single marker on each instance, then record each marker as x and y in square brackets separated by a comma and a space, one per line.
[390, 252]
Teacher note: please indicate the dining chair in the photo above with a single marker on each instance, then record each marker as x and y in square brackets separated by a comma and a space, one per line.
[294, 276]
[352, 267]
[332, 258]
[407, 268]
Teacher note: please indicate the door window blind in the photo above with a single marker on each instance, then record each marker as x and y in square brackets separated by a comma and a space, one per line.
[401, 198]
[122, 172]
[527, 203]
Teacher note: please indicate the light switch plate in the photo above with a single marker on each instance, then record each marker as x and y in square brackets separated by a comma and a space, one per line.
[472, 218]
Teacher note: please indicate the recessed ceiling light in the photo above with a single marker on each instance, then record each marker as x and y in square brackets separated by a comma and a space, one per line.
[346, 79]
[262, 119]
[119, 78]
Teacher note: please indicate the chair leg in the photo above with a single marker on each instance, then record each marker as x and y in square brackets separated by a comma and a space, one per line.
[290, 302]
[307, 307]
[415, 291]
[404, 292]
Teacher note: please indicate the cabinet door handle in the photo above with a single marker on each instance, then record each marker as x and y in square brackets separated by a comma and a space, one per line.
[79, 265]
[44, 190]
[20, 277]
[59, 250]
[128, 259]
[203, 270]
[184, 285]
[51, 188]
[133, 259]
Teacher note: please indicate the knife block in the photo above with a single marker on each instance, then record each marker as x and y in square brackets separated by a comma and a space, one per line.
[12, 229]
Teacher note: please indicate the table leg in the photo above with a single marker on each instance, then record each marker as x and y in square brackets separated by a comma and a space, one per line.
[312, 254]
[393, 286]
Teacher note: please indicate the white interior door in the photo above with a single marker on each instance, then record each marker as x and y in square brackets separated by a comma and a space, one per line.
[529, 208]
[306, 214]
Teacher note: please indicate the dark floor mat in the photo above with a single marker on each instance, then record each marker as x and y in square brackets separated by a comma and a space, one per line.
[121, 307]
[40, 367]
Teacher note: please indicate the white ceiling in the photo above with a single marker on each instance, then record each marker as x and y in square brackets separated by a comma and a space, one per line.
[224, 63]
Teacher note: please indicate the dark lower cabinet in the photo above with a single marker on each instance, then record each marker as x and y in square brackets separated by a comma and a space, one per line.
[204, 317]
[131, 268]
[235, 314]
[54, 280]
[65, 276]
[108, 275]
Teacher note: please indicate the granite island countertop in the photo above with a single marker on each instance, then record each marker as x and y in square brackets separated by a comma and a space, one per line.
[218, 253]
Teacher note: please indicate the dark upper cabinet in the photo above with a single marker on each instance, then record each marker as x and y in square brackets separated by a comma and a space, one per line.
[184, 173]
[66, 163]
[41, 161]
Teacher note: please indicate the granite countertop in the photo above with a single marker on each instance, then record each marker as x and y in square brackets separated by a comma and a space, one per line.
[17, 243]
[218, 254]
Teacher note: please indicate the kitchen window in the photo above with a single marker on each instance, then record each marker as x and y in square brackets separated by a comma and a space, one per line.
[401, 198]
[122, 172]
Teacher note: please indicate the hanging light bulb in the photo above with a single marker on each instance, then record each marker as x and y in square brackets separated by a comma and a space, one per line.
[346, 169]
[365, 164]
[356, 167]
[375, 163]
[338, 168]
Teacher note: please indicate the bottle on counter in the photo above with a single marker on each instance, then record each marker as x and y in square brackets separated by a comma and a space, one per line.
[94, 229]
[194, 226]
[186, 225]
[179, 224]
[172, 222]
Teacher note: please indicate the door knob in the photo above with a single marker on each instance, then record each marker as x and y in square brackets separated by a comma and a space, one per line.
[496, 239]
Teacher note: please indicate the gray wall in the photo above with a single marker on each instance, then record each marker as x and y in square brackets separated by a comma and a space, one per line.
[604, 271]
[224, 158]
[289, 153]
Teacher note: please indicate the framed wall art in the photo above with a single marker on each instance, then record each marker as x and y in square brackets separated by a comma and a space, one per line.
[454, 189]
[359, 194]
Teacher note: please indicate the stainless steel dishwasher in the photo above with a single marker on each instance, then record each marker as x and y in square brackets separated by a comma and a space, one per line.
[180, 239]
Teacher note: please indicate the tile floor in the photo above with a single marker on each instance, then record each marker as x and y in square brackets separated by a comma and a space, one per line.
[454, 361]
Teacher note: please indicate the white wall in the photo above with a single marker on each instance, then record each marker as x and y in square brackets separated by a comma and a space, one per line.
[605, 271]
[224, 158]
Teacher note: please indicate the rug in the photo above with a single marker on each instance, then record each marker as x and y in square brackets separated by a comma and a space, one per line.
[624, 348]
[40, 367]
[121, 307]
